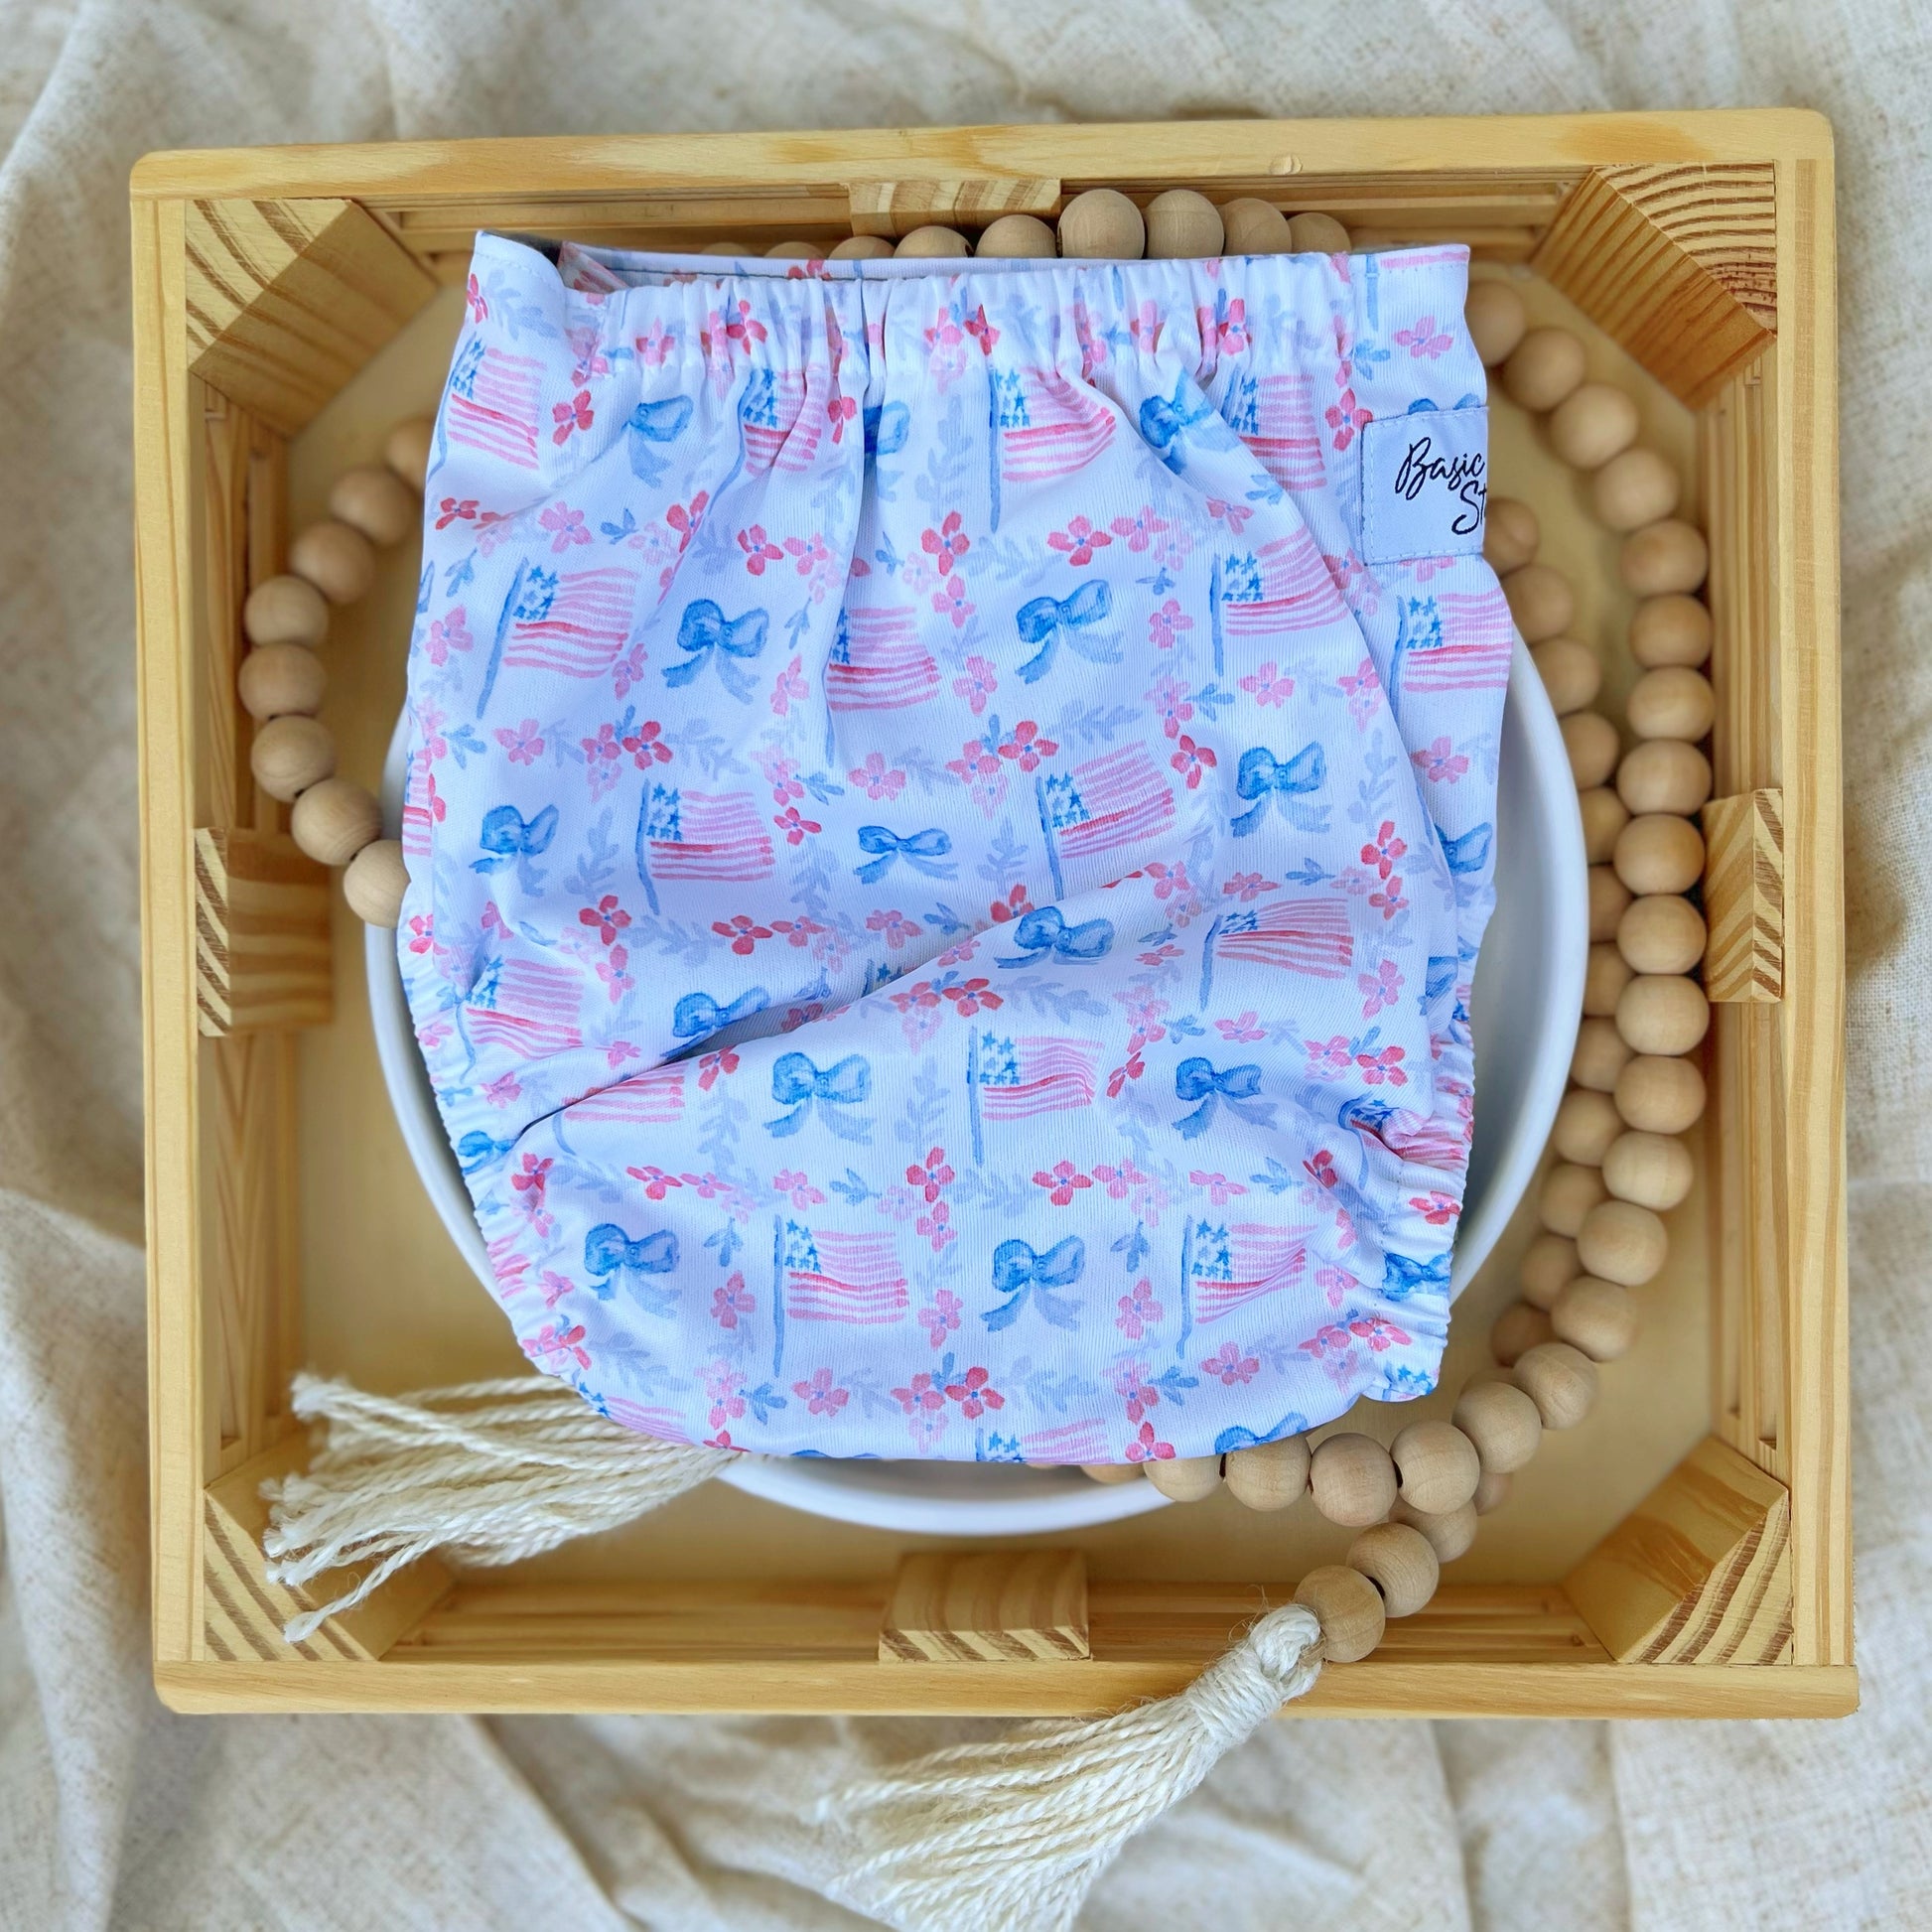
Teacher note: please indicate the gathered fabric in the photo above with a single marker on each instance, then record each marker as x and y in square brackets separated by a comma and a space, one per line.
[950, 820]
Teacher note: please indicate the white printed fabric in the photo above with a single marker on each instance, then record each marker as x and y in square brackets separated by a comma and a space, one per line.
[945, 874]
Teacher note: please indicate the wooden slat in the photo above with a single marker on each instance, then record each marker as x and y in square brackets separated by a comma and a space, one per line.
[1699, 1572]
[261, 935]
[1744, 897]
[895, 208]
[287, 300]
[1005, 1606]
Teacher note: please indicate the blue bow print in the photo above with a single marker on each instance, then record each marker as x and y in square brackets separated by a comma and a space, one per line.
[477, 1150]
[1402, 1278]
[508, 839]
[1235, 1087]
[1467, 856]
[1044, 621]
[609, 1250]
[697, 1016]
[709, 637]
[923, 851]
[1020, 1273]
[886, 429]
[1044, 934]
[656, 422]
[1164, 421]
[798, 1084]
[1237, 1438]
[1263, 777]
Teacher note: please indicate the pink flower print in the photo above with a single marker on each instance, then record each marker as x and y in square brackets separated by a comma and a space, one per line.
[923, 1393]
[711, 1066]
[1247, 1027]
[841, 409]
[1320, 1168]
[1329, 1344]
[919, 997]
[1235, 516]
[1145, 1449]
[685, 518]
[647, 745]
[611, 970]
[1158, 955]
[1168, 880]
[937, 1226]
[975, 1393]
[782, 774]
[449, 632]
[794, 825]
[571, 416]
[453, 509]
[1223, 328]
[1248, 886]
[1169, 698]
[1144, 327]
[948, 543]
[950, 601]
[654, 346]
[1231, 1366]
[1268, 685]
[1140, 529]
[810, 553]
[1439, 762]
[1026, 747]
[1385, 1065]
[1015, 906]
[473, 297]
[1435, 1207]
[1346, 417]
[931, 1175]
[873, 779]
[796, 1188]
[1079, 541]
[1326, 1058]
[602, 757]
[430, 721]
[893, 927]
[629, 671]
[1119, 1181]
[1139, 1311]
[1384, 849]
[555, 1343]
[566, 527]
[759, 549]
[978, 768]
[1336, 1284]
[1378, 1333]
[502, 1090]
[971, 996]
[730, 1301]
[819, 1395]
[1063, 1181]
[798, 931]
[524, 743]
[1423, 338]
[554, 1288]
[742, 330]
[942, 1318]
[590, 360]
[530, 1178]
[982, 330]
[1135, 1390]
[608, 916]
[789, 689]
[1220, 1189]
[977, 685]
[1192, 760]
[1389, 900]
[1359, 689]
[1379, 989]
[958, 953]
[1166, 625]
[742, 932]
[657, 1184]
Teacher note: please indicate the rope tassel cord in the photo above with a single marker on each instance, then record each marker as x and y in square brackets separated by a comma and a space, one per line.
[490, 1472]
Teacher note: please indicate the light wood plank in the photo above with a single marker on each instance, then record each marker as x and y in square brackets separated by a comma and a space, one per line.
[1004, 1607]
[261, 935]
[895, 208]
[1744, 897]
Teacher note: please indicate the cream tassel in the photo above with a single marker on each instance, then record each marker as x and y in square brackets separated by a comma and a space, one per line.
[490, 1472]
[1010, 1836]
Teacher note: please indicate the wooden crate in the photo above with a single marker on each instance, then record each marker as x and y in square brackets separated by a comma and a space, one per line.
[266, 280]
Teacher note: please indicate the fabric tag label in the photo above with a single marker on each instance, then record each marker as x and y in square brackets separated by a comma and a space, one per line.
[1424, 481]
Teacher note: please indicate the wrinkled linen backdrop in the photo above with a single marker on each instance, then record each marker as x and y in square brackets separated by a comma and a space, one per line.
[112, 1812]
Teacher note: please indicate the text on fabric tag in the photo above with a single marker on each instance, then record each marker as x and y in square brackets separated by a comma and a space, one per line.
[1424, 482]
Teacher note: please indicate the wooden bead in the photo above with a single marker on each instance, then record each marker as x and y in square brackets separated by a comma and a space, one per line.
[1605, 978]
[1570, 675]
[1659, 852]
[1661, 933]
[1543, 369]
[1316, 233]
[1560, 1380]
[794, 251]
[1670, 630]
[1102, 225]
[1182, 226]
[1587, 1123]
[873, 248]
[1492, 1492]
[1569, 1194]
[1186, 1478]
[1593, 424]
[1548, 1263]
[1598, 1058]
[1592, 744]
[1664, 774]
[1449, 1536]
[1101, 1472]
[1672, 701]
[375, 881]
[1501, 1420]
[1541, 601]
[1661, 557]
[1518, 1329]
[1656, 1095]
[337, 560]
[1398, 1561]
[290, 754]
[1496, 320]
[334, 820]
[1598, 1316]
[1352, 1478]
[1635, 489]
[1604, 816]
[1653, 1169]
[378, 502]
[1435, 1466]
[1610, 898]
[1622, 1242]
[1510, 535]
[932, 242]
[1017, 237]
[1663, 1013]
[285, 611]
[1349, 1607]
[281, 681]
[1255, 227]
[407, 448]
[1270, 1476]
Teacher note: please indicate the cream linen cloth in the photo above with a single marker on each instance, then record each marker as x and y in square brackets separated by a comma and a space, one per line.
[113, 1812]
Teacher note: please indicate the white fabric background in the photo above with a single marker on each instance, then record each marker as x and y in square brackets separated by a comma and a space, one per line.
[114, 1813]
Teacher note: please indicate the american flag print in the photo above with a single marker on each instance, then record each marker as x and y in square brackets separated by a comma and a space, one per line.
[528, 1007]
[653, 1099]
[826, 1276]
[1084, 1441]
[1049, 427]
[492, 403]
[1295, 936]
[1229, 1265]
[1282, 586]
[878, 662]
[1120, 798]
[1460, 641]
[573, 623]
[1275, 416]
[418, 807]
[783, 413]
[700, 835]
[1019, 1079]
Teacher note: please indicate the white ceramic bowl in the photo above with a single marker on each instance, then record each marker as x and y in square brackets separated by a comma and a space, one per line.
[1529, 989]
